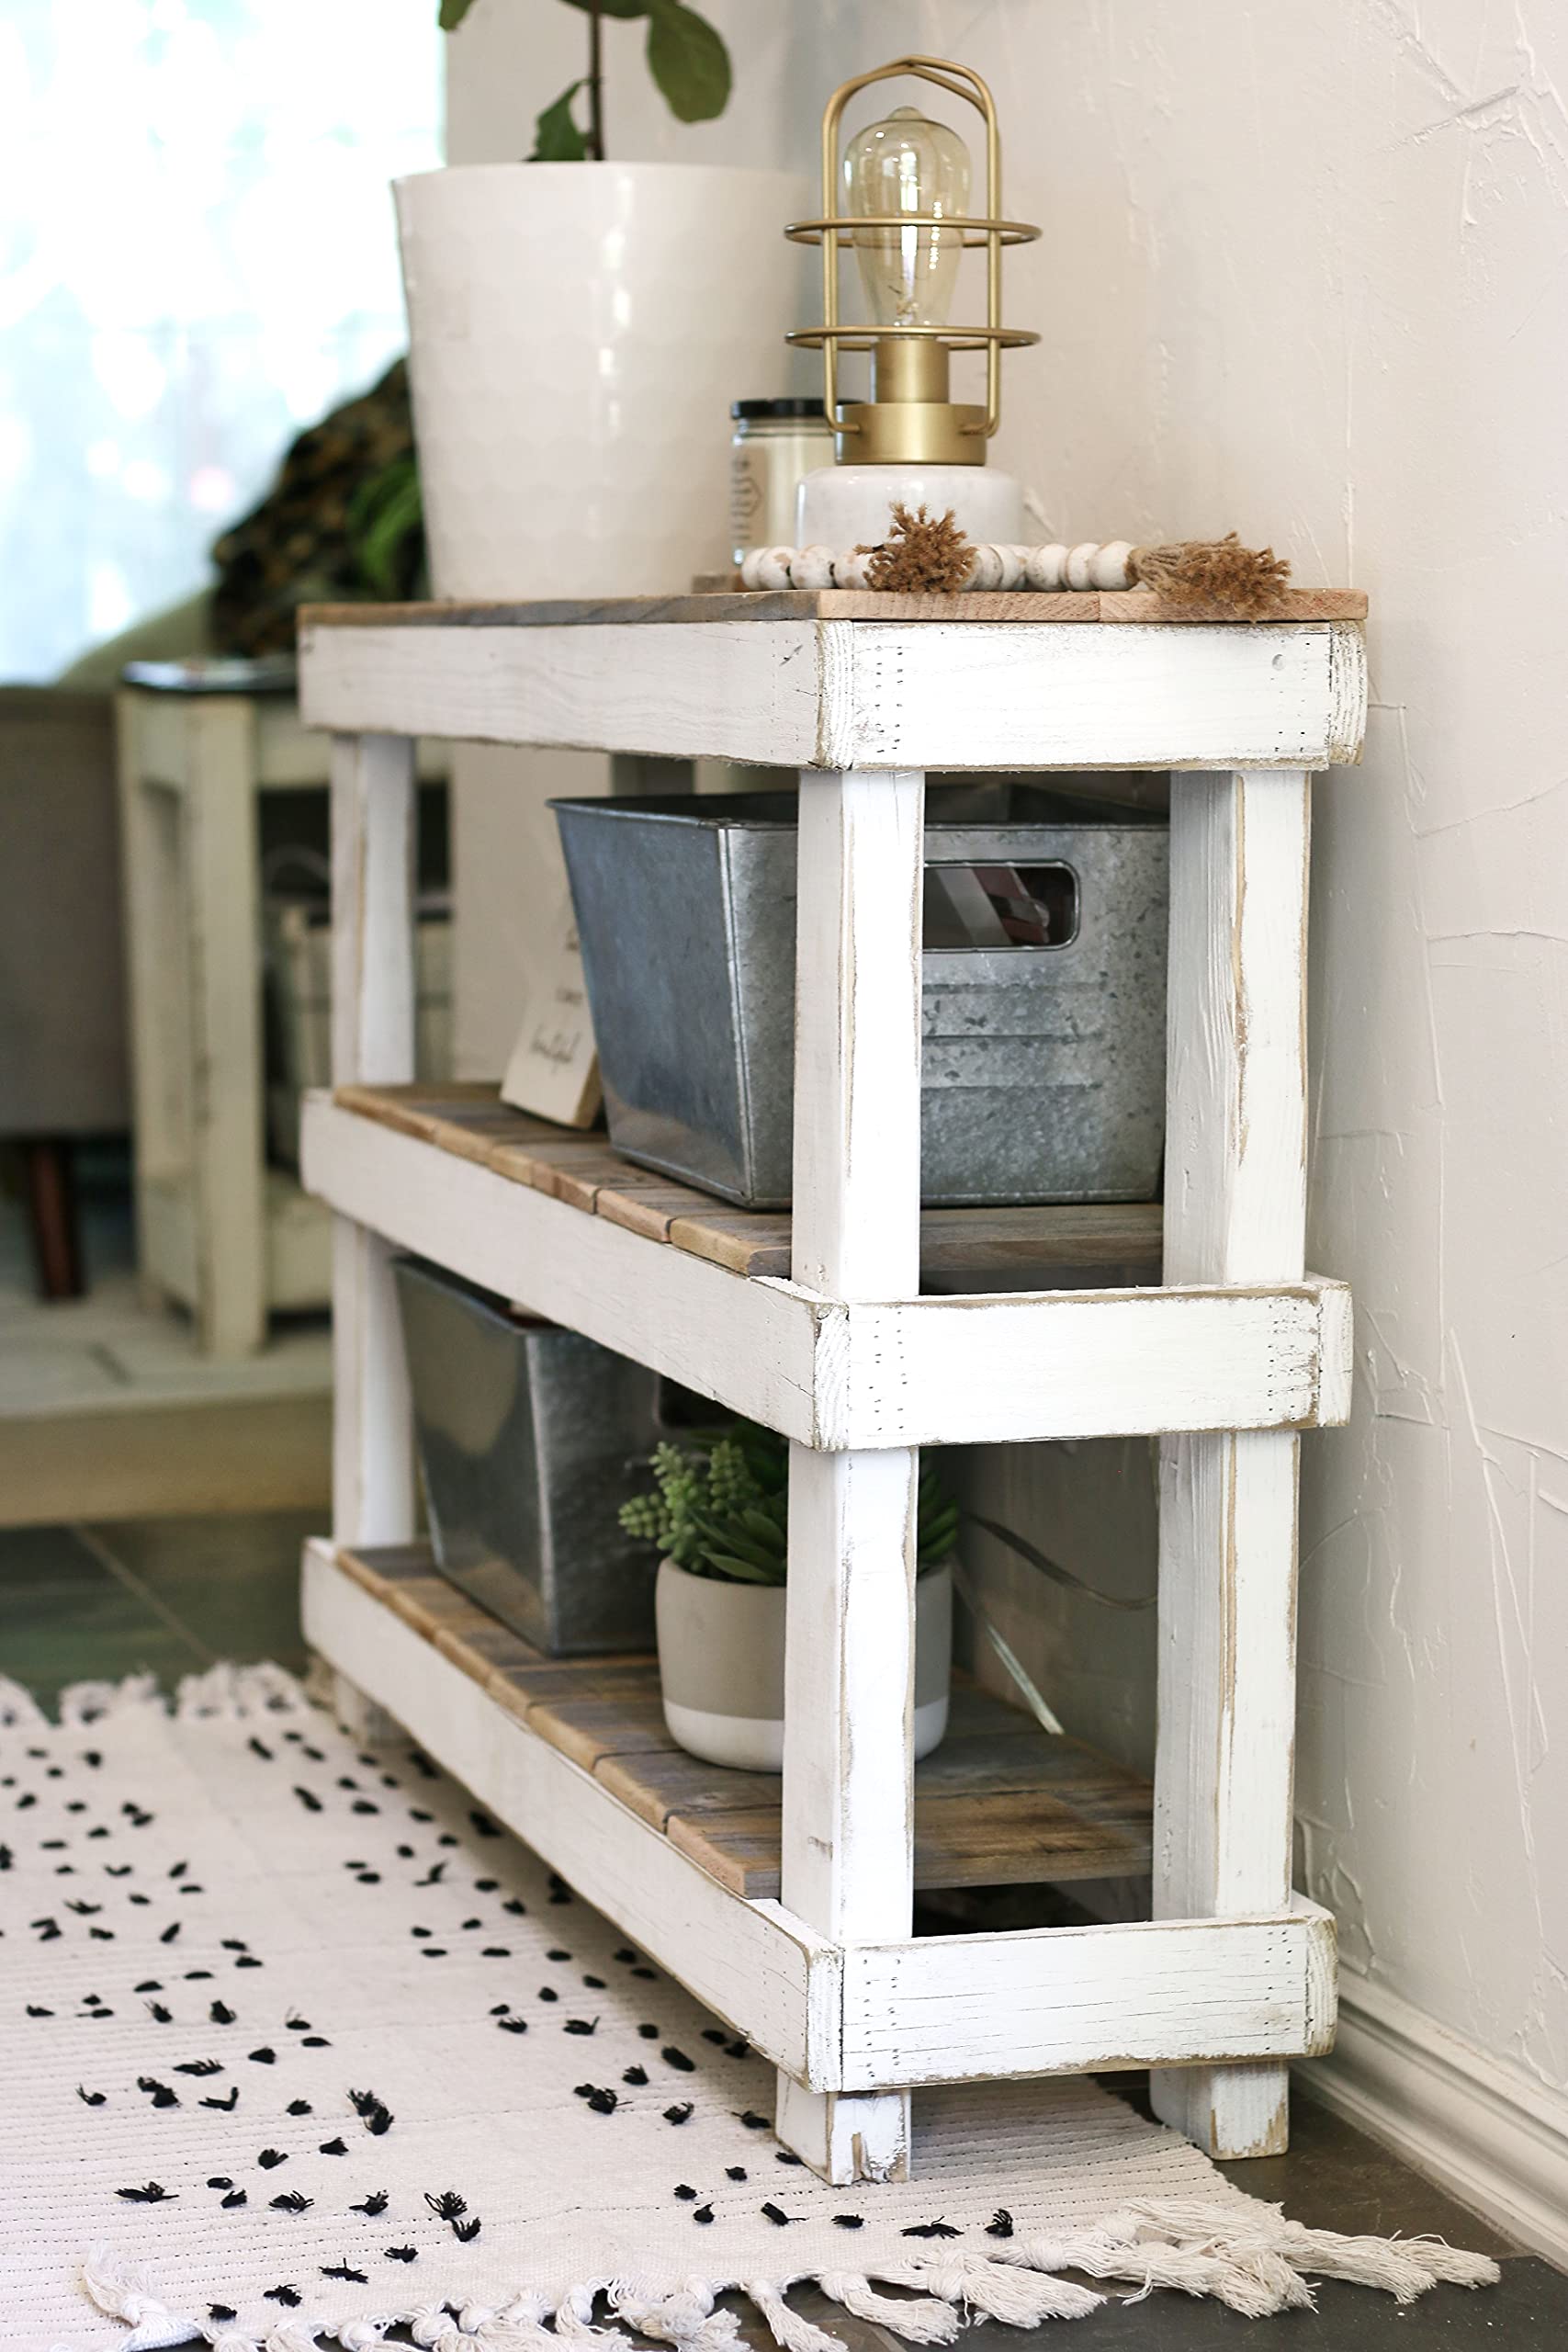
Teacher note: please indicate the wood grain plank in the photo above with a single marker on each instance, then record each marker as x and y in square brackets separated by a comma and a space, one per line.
[959, 1248]
[1001, 1802]
[828, 603]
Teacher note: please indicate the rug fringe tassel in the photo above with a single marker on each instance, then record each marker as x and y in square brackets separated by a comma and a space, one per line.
[1252, 2259]
[19, 1710]
[231, 1693]
[1255, 2261]
[920, 2320]
[789, 2329]
[574, 2322]
[686, 2319]
[121, 2288]
[237, 1693]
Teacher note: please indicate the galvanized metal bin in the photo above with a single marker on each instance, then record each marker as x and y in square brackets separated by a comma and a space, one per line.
[1042, 1074]
[529, 1441]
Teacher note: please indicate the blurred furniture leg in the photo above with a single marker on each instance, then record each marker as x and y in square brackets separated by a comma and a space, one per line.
[63, 1056]
[51, 1213]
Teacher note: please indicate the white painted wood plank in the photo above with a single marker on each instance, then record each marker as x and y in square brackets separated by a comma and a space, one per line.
[1065, 2000]
[222, 911]
[749, 1345]
[848, 1845]
[1235, 1121]
[855, 1229]
[732, 692]
[766, 1975]
[373, 1043]
[1066, 696]
[373, 888]
[862, 694]
[1022, 1366]
[1235, 1186]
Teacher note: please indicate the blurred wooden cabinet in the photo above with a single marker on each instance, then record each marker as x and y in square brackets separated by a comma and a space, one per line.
[219, 1230]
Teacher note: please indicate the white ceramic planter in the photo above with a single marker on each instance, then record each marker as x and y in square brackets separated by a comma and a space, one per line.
[721, 1664]
[576, 335]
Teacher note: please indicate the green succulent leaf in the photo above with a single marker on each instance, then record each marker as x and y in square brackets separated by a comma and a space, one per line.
[452, 14]
[741, 1570]
[688, 61]
[557, 139]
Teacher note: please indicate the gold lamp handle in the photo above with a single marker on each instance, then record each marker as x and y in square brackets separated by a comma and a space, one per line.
[959, 81]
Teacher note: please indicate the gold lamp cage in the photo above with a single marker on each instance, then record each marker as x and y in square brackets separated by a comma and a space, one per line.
[909, 420]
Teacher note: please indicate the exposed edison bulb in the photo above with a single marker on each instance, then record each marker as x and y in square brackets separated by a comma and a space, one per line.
[908, 164]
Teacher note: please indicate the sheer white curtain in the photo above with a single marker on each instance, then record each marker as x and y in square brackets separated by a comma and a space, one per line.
[197, 258]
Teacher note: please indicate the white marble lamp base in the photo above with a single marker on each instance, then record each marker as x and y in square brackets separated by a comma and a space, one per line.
[839, 506]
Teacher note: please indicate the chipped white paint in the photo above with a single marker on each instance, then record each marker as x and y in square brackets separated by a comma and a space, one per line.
[882, 695]
[847, 1853]
[1071, 2000]
[1018, 1366]
[373, 1041]
[1235, 1205]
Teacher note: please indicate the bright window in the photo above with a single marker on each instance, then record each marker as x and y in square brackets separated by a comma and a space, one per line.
[198, 257]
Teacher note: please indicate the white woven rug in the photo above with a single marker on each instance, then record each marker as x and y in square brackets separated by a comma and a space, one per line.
[294, 2045]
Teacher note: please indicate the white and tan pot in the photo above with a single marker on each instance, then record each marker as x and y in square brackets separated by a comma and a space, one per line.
[721, 1664]
[576, 335]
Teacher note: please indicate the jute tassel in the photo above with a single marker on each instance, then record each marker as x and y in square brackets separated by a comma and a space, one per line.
[924, 554]
[1243, 581]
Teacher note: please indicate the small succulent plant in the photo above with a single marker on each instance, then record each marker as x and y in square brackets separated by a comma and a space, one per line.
[721, 1508]
[686, 57]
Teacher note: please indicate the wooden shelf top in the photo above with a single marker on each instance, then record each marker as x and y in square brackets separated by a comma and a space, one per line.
[1001, 1802]
[960, 1250]
[1140, 604]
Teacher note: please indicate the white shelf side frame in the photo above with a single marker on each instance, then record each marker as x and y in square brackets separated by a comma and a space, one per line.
[1235, 1212]
[847, 1853]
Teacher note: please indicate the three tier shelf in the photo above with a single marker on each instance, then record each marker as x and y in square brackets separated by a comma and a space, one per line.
[795, 1923]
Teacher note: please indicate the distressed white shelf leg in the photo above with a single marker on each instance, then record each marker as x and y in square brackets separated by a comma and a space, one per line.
[223, 911]
[848, 1862]
[373, 1044]
[1235, 1208]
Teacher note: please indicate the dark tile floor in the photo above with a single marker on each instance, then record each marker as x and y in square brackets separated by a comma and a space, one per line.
[172, 1596]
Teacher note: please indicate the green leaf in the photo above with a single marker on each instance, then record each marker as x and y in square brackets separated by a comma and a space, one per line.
[688, 61]
[557, 139]
[741, 1570]
[608, 7]
[452, 14]
[391, 520]
[734, 1539]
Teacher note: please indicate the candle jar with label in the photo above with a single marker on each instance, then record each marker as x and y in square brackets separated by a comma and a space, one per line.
[775, 444]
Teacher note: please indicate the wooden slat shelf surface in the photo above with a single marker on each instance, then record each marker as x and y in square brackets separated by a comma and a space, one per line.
[960, 1248]
[1001, 1802]
[833, 605]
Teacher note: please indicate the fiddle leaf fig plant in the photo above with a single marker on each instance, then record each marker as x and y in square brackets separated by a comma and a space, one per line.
[721, 1508]
[686, 57]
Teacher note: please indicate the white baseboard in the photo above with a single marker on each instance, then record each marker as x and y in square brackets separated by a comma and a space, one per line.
[1492, 2139]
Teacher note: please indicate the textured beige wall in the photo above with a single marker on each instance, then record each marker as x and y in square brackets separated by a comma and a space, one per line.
[1304, 272]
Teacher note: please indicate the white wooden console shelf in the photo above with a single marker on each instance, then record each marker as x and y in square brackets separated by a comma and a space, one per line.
[1227, 1358]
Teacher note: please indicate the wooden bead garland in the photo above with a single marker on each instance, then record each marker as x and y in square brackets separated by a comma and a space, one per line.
[1090, 565]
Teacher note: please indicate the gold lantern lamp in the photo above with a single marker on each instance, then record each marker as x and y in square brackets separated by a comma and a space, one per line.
[904, 181]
